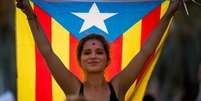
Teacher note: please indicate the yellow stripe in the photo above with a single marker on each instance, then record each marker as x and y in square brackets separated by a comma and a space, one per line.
[60, 44]
[139, 94]
[131, 46]
[130, 92]
[140, 91]
[25, 52]
[131, 43]
[164, 7]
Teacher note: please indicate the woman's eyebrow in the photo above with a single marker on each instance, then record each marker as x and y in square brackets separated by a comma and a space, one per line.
[87, 49]
[100, 49]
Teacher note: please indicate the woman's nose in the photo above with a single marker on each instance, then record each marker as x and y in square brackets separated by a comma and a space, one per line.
[93, 55]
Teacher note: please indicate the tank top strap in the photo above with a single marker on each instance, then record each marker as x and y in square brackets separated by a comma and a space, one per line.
[113, 96]
[81, 93]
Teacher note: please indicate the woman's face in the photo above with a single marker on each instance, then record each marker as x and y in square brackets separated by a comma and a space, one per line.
[93, 56]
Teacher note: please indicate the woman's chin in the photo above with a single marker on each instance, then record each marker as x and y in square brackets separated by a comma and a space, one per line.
[95, 69]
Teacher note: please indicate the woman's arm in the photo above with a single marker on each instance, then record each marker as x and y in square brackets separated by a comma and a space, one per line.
[125, 79]
[68, 82]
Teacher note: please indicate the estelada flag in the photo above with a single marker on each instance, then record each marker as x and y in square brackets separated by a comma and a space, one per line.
[126, 25]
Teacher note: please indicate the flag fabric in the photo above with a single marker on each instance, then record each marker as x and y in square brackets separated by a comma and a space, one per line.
[126, 25]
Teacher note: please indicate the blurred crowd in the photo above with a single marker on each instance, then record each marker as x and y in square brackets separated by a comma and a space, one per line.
[177, 76]
[7, 51]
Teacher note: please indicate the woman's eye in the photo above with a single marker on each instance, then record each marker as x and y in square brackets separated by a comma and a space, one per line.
[87, 53]
[100, 52]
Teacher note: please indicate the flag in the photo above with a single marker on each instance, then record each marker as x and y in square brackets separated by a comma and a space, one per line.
[126, 25]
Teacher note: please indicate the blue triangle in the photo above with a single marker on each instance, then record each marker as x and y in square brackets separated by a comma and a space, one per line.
[129, 13]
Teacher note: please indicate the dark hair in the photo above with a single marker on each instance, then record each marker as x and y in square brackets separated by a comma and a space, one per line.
[97, 37]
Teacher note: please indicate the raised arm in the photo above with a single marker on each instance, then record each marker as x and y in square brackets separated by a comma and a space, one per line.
[68, 82]
[125, 79]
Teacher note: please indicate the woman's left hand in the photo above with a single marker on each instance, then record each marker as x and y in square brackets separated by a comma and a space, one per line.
[174, 5]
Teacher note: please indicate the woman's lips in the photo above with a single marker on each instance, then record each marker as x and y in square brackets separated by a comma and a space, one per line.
[93, 62]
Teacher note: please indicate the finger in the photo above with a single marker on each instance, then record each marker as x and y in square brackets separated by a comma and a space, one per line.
[19, 5]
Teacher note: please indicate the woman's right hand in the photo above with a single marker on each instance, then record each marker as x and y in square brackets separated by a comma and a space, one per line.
[25, 6]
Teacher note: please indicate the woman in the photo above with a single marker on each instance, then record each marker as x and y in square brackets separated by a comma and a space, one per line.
[93, 57]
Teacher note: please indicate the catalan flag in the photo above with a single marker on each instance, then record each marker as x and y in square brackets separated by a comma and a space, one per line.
[126, 25]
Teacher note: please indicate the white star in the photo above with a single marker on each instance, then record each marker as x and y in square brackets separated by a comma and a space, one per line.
[94, 18]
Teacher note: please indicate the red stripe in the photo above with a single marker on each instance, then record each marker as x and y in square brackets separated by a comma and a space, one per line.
[43, 77]
[74, 66]
[116, 58]
[149, 22]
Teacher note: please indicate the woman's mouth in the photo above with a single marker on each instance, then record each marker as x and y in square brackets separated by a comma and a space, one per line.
[93, 62]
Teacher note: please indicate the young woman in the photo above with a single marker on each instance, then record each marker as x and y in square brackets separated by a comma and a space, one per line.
[93, 56]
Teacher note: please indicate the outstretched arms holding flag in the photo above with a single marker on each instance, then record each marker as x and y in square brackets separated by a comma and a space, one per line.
[68, 82]
[126, 78]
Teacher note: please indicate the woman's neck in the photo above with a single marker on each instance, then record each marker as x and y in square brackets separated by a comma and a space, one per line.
[95, 80]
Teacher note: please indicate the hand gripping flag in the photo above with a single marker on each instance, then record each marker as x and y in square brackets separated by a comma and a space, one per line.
[126, 25]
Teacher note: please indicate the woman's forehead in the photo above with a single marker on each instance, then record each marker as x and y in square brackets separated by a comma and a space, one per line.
[93, 43]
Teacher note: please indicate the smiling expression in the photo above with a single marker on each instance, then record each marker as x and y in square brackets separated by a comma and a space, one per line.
[93, 56]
